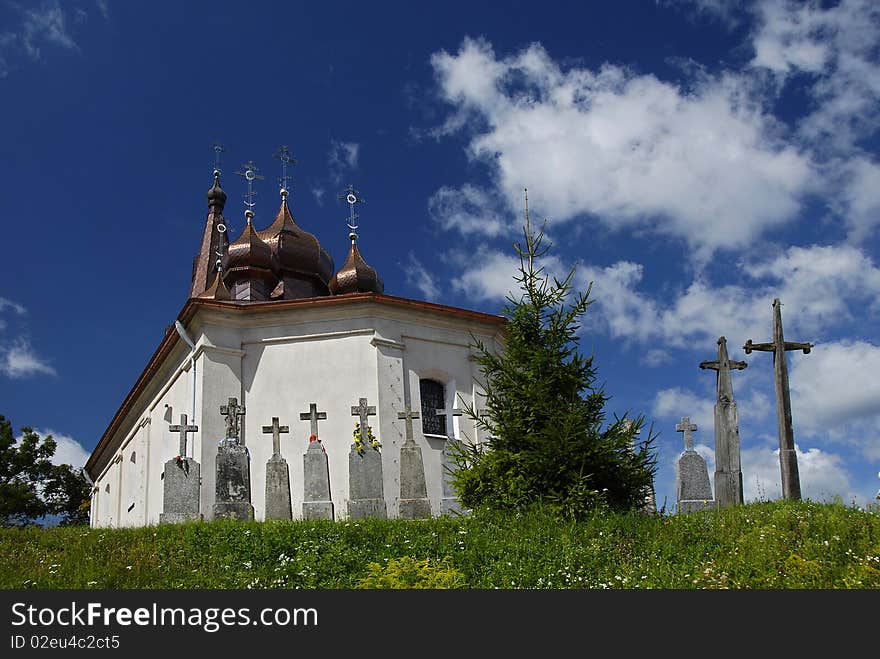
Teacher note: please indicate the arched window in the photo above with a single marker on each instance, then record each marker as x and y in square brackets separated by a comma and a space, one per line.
[433, 395]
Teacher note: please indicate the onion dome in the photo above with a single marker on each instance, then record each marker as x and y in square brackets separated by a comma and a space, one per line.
[298, 253]
[250, 261]
[216, 196]
[356, 276]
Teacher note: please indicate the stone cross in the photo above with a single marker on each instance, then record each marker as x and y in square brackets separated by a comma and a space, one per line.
[728, 466]
[314, 416]
[409, 415]
[454, 412]
[232, 411]
[363, 411]
[183, 429]
[791, 485]
[276, 431]
[687, 428]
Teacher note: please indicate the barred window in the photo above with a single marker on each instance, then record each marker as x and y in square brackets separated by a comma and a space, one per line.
[433, 395]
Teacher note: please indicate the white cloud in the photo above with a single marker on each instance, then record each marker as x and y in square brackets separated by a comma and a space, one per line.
[319, 195]
[705, 165]
[837, 46]
[69, 451]
[468, 210]
[342, 158]
[39, 27]
[677, 402]
[836, 395]
[18, 360]
[418, 276]
[822, 475]
[860, 192]
[17, 308]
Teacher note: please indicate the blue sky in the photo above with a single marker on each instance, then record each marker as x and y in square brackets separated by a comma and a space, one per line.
[694, 160]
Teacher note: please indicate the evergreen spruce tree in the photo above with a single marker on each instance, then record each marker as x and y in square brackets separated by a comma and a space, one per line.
[548, 440]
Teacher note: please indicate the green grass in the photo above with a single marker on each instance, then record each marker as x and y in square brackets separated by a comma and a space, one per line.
[770, 545]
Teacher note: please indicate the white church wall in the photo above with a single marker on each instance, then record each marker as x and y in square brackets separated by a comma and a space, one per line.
[281, 378]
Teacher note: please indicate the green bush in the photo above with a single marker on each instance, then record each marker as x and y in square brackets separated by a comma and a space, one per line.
[408, 573]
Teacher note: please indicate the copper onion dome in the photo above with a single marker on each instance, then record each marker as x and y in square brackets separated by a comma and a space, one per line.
[355, 276]
[250, 258]
[298, 252]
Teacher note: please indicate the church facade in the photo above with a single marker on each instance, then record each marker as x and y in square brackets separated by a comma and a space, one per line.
[272, 324]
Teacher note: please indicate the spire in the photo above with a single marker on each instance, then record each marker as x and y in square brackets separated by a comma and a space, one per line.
[214, 238]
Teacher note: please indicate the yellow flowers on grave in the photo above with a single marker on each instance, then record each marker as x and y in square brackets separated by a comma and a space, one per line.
[360, 441]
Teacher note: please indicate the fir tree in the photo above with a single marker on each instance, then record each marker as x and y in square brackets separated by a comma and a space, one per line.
[547, 443]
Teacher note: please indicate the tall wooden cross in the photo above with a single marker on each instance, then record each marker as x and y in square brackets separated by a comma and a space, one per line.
[232, 411]
[276, 431]
[791, 484]
[183, 429]
[687, 428]
[409, 415]
[363, 411]
[314, 416]
[723, 365]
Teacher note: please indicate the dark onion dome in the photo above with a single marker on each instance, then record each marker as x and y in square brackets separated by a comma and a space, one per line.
[216, 196]
[250, 258]
[356, 276]
[298, 252]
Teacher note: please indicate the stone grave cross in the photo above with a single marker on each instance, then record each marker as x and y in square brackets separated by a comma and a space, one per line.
[314, 416]
[454, 412]
[687, 428]
[276, 431]
[791, 485]
[183, 429]
[363, 411]
[232, 411]
[408, 415]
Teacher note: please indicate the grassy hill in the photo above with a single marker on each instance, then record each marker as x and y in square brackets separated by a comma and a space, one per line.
[761, 545]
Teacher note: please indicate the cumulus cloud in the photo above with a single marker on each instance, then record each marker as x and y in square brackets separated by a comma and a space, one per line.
[705, 165]
[468, 210]
[69, 451]
[823, 475]
[678, 402]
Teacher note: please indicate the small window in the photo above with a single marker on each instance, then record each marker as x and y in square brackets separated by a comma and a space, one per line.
[107, 487]
[433, 395]
[133, 457]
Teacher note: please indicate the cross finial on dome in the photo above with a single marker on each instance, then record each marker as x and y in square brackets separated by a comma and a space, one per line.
[250, 175]
[286, 159]
[352, 197]
[218, 149]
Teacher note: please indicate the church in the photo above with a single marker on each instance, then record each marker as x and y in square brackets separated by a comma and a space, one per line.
[277, 354]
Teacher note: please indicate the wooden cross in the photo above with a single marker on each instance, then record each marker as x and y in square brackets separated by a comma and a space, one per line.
[723, 365]
[687, 428]
[363, 411]
[232, 411]
[791, 485]
[409, 415]
[276, 431]
[314, 416]
[183, 429]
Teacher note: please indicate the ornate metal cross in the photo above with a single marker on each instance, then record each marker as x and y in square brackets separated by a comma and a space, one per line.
[313, 415]
[409, 415]
[352, 197]
[363, 411]
[232, 411]
[791, 484]
[183, 429]
[286, 159]
[687, 428]
[276, 431]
